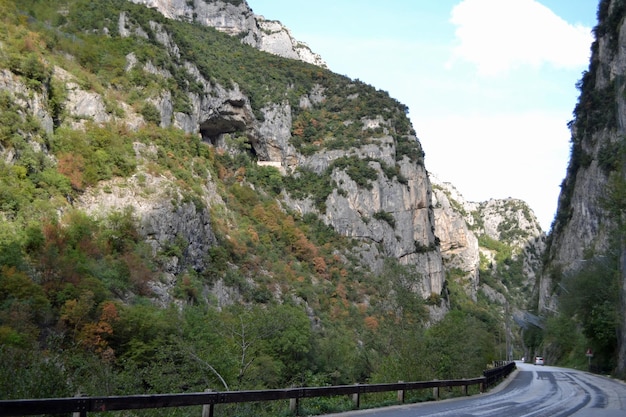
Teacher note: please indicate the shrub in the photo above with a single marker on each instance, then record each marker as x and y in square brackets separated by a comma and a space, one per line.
[150, 113]
[385, 216]
[357, 169]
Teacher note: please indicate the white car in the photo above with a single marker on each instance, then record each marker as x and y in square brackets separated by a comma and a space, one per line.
[538, 360]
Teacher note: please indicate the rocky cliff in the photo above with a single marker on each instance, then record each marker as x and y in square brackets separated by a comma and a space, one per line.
[589, 222]
[583, 225]
[458, 242]
[352, 209]
[468, 233]
[237, 19]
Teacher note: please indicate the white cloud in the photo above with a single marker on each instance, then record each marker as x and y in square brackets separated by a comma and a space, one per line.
[500, 35]
[520, 155]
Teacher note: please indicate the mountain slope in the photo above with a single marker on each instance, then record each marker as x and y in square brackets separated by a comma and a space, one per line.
[182, 210]
[158, 188]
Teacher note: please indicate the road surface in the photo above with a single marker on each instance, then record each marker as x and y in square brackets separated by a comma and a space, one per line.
[533, 391]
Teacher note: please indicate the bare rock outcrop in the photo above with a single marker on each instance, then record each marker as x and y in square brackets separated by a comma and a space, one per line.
[353, 211]
[459, 245]
[278, 40]
[238, 19]
[459, 223]
[35, 103]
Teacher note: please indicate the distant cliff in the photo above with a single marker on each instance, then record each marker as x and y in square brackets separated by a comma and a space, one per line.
[237, 19]
[491, 249]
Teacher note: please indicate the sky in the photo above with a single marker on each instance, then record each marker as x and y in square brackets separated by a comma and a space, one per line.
[490, 84]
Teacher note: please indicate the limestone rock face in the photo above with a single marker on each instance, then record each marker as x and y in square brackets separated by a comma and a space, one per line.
[278, 40]
[178, 231]
[238, 20]
[459, 245]
[388, 219]
[224, 16]
[409, 237]
[589, 223]
[583, 225]
[395, 215]
[220, 112]
[459, 223]
[274, 135]
[33, 102]
[502, 217]
[85, 104]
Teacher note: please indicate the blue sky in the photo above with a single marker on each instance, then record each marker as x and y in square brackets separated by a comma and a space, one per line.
[490, 84]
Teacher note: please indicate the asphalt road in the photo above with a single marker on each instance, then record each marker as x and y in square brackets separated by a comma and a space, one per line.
[535, 391]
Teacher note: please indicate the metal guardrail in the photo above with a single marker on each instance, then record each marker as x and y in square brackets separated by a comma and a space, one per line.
[497, 374]
[83, 405]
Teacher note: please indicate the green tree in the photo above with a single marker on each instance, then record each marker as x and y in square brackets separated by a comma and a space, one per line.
[23, 307]
[287, 334]
[459, 346]
[26, 373]
[591, 298]
[563, 341]
[338, 357]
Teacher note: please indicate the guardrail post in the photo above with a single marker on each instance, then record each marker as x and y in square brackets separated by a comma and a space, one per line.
[356, 399]
[401, 393]
[294, 405]
[207, 409]
[436, 392]
[81, 413]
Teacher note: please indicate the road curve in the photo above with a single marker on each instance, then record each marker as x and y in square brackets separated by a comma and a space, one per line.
[532, 391]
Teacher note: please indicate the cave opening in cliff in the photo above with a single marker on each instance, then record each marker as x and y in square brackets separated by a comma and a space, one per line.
[217, 132]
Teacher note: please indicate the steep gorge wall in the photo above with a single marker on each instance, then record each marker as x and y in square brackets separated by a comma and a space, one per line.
[589, 221]
[417, 230]
[414, 235]
[583, 225]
